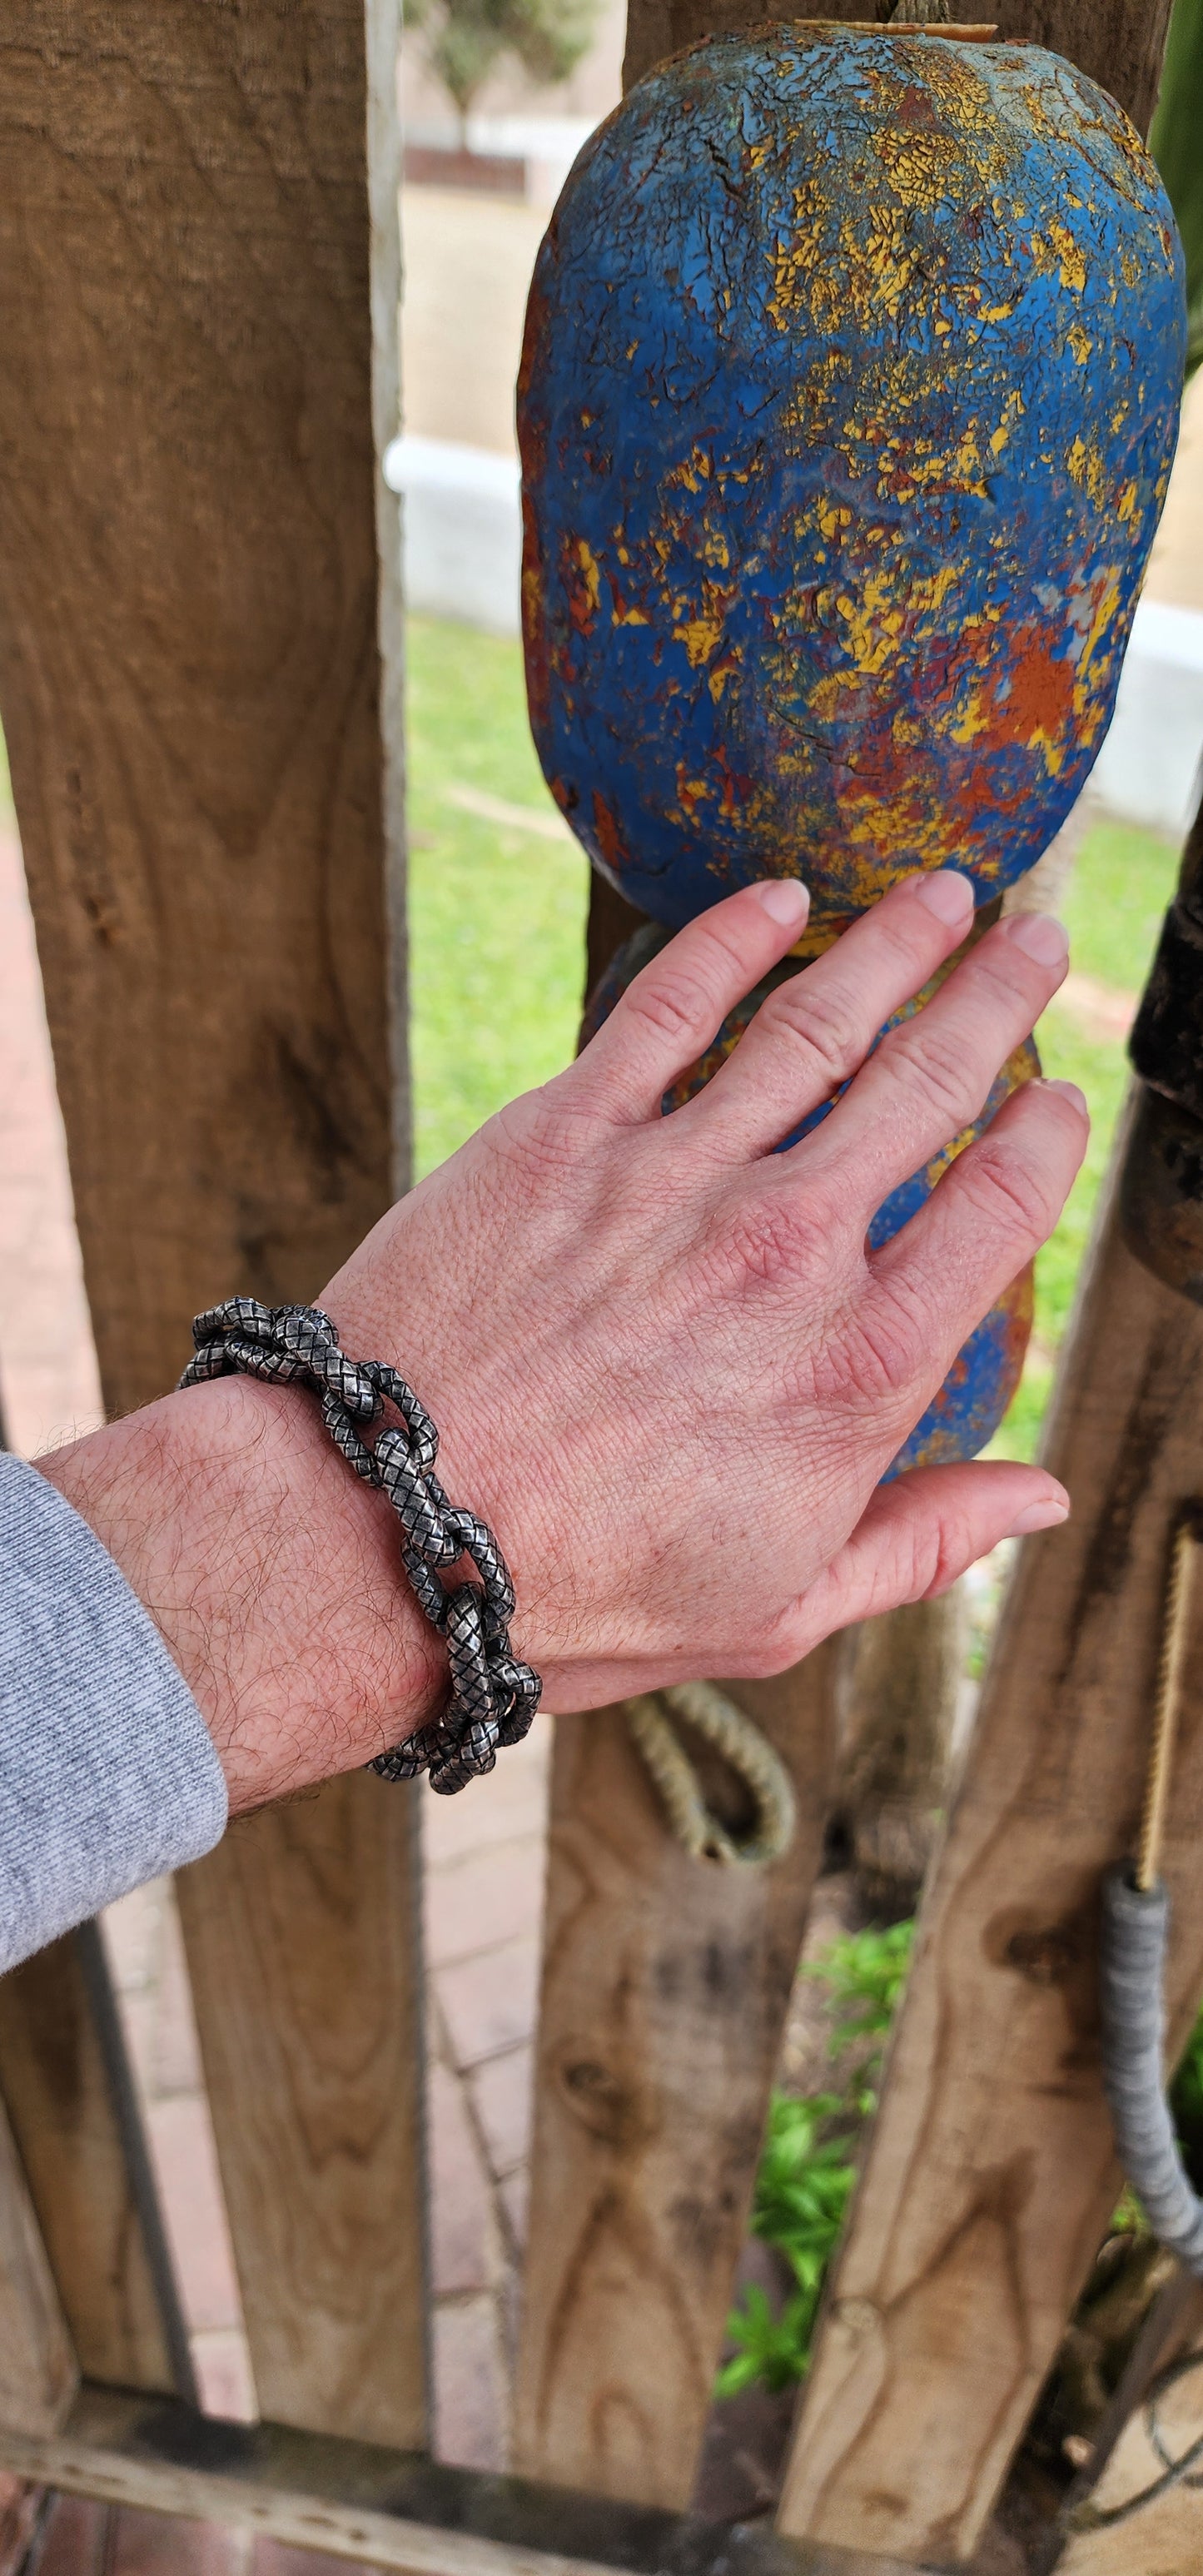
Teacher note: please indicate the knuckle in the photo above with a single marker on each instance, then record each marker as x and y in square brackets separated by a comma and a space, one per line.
[684, 993]
[930, 1061]
[544, 1129]
[875, 1356]
[769, 1242]
[822, 1024]
[1003, 1188]
[669, 1002]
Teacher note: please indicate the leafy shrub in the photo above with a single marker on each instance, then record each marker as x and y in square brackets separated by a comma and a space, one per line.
[808, 2163]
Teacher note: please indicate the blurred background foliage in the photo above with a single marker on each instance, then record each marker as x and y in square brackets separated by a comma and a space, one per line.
[1176, 142]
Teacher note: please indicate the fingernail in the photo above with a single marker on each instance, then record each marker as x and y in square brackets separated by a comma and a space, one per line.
[785, 900]
[948, 895]
[1039, 936]
[1071, 1092]
[1046, 1514]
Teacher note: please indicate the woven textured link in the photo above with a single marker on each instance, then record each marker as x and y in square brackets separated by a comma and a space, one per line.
[493, 1695]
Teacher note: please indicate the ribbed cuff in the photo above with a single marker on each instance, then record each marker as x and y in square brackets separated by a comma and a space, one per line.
[107, 1770]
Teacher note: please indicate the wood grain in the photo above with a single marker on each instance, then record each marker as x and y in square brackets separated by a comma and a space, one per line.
[200, 686]
[301, 1931]
[665, 1985]
[38, 2374]
[189, 669]
[1120, 43]
[991, 2171]
[381, 2508]
[67, 2128]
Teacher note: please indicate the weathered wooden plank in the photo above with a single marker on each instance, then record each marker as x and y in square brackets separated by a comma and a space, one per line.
[71, 2104]
[387, 2508]
[189, 668]
[38, 2373]
[301, 1931]
[991, 2170]
[665, 1985]
[200, 684]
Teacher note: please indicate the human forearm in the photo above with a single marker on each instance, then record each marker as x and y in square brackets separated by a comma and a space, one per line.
[271, 1575]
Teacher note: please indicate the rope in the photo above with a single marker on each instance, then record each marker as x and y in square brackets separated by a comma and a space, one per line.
[1087, 2517]
[1136, 1917]
[1167, 1699]
[715, 1717]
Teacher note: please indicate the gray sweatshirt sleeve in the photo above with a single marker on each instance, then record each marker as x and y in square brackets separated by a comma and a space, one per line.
[107, 1770]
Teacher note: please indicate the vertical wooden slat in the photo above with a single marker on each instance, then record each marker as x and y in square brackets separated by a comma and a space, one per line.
[991, 2172]
[665, 1985]
[70, 2099]
[203, 731]
[302, 1937]
[38, 2374]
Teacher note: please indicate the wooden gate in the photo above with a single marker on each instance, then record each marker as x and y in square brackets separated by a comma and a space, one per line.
[200, 682]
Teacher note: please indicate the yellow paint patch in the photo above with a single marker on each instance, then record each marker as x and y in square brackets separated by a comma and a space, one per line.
[588, 563]
[700, 636]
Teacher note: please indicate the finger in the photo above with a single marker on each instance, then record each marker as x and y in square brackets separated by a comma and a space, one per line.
[917, 1535]
[671, 1012]
[930, 1079]
[815, 1030]
[935, 1279]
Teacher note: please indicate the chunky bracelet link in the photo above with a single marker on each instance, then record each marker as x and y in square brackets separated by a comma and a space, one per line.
[493, 1696]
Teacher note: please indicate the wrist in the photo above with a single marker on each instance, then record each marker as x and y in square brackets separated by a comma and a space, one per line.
[272, 1575]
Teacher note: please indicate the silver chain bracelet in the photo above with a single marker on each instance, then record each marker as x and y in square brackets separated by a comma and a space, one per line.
[493, 1696]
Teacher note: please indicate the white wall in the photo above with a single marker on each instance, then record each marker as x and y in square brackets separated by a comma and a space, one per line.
[463, 550]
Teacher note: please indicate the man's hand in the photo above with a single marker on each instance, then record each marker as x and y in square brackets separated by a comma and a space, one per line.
[663, 1363]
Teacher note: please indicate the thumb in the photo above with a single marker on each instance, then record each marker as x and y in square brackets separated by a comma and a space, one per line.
[917, 1535]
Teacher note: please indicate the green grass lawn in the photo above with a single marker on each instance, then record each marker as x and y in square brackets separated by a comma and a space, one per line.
[497, 923]
[497, 914]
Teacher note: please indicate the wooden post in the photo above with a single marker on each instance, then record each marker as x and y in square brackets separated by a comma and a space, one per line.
[991, 2170]
[70, 2100]
[199, 680]
[665, 1987]
[38, 2374]
[899, 1679]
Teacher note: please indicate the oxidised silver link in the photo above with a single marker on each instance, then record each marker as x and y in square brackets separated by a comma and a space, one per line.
[477, 1541]
[493, 1695]
[427, 1529]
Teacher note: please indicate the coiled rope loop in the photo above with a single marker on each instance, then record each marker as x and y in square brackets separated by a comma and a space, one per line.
[715, 1717]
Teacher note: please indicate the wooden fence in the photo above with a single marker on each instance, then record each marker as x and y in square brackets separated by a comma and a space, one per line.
[200, 683]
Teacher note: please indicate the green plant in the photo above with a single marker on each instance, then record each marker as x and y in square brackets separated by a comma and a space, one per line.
[807, 2167]
[1176, 143]
[864, 1973]
[1186, 2103]
[465, 39]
